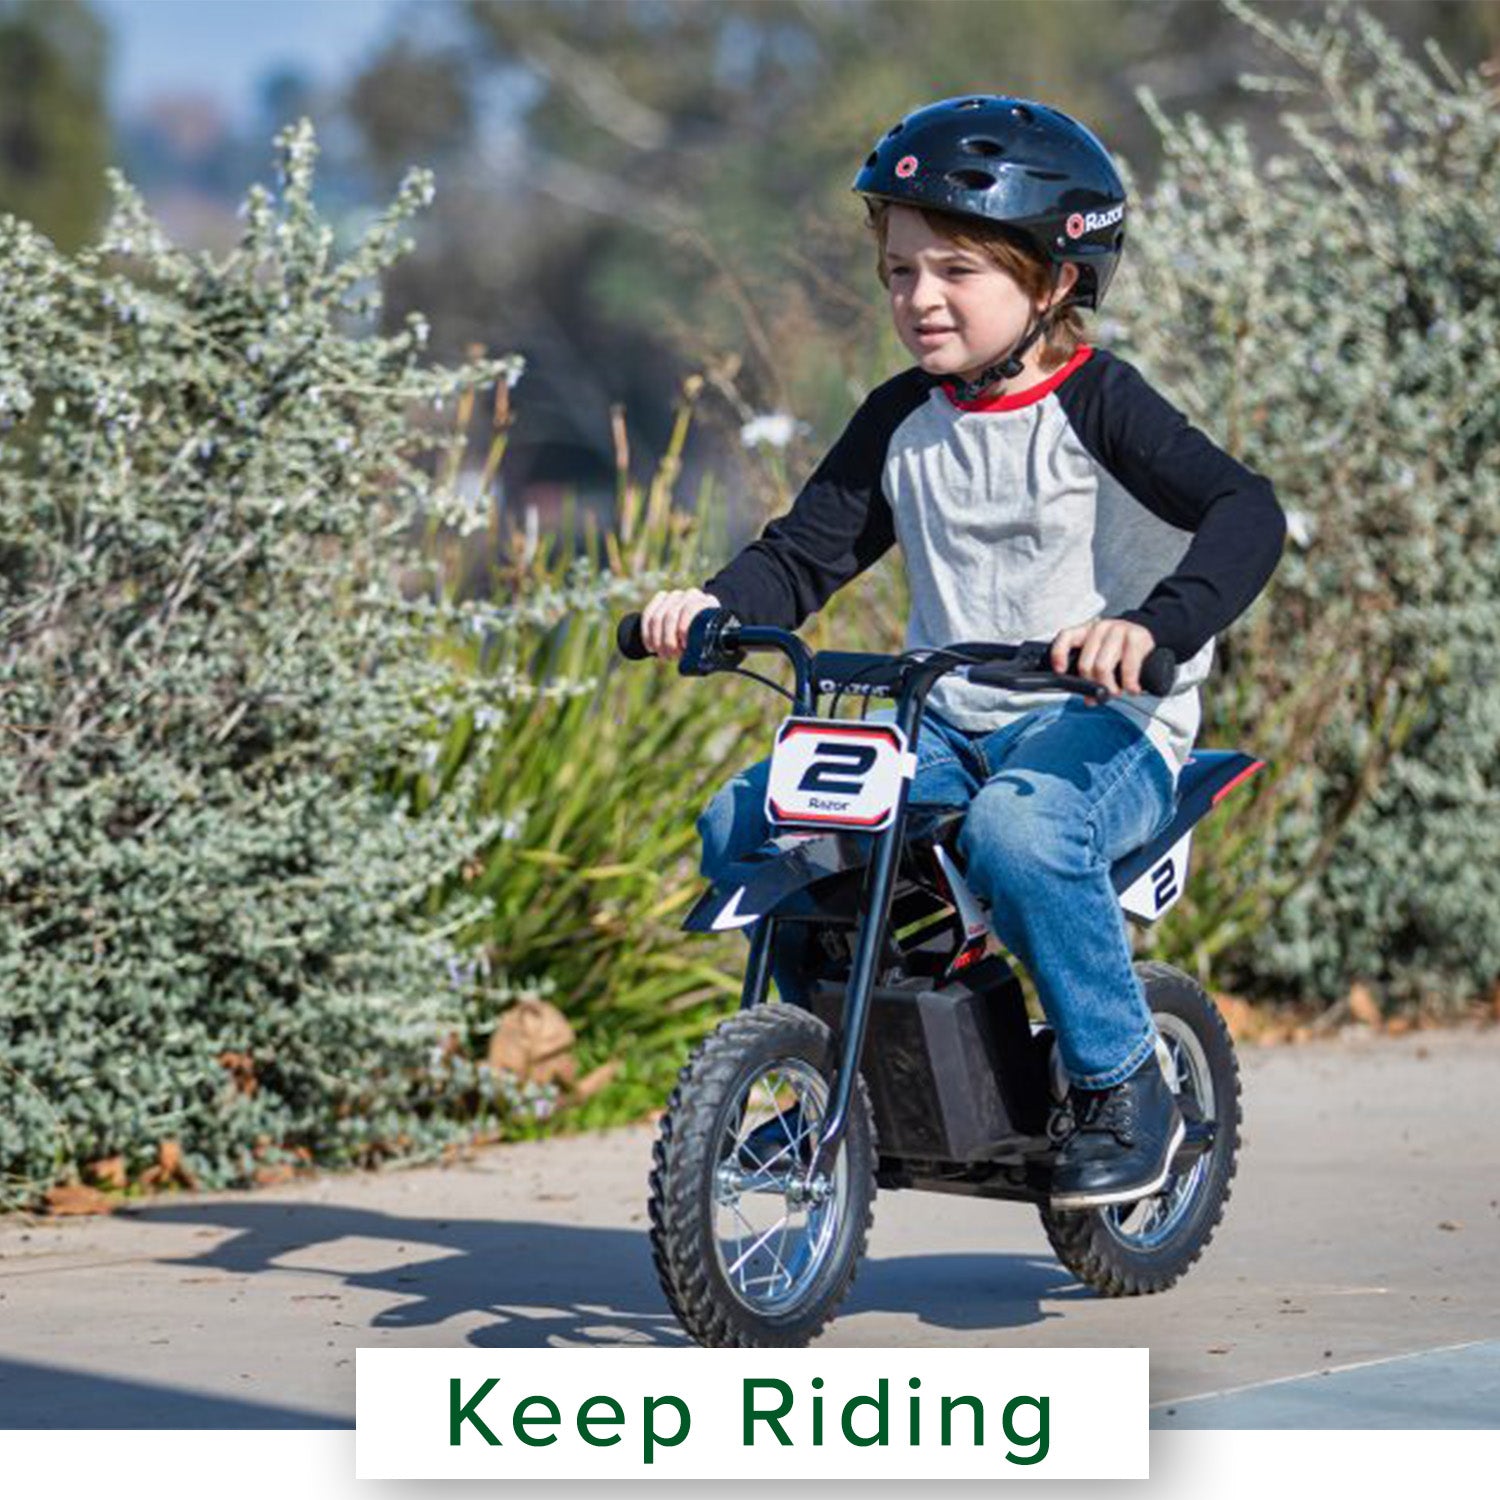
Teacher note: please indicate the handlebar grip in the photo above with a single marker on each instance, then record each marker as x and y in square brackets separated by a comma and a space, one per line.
[1030, 670]
[1159, 672]
[628, 638]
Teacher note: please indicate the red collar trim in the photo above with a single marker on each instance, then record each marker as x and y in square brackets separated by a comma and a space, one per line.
[1028, 397]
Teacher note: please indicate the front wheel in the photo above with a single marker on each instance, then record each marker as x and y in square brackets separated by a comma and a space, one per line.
[1131, 1248]
[752, 1253]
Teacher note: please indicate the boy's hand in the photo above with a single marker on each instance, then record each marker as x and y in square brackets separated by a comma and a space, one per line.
[1110, 652]
[665, 620]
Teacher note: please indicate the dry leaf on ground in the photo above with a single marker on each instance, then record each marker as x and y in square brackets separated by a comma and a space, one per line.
[76, 1198]
[593, 1081]
[1239, 1015]
[534, 1041]
[109, 1172]
[1363, 1005]
[170, 1168]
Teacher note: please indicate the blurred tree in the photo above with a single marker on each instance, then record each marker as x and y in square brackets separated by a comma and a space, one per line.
[654, 184]
[285, 95]
[54, 134]
[412, 103]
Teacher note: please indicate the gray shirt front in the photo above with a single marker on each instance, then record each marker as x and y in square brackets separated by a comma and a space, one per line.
[1087, 495]
[1011, 530]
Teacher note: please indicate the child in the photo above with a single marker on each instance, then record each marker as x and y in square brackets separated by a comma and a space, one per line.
[1038, 489]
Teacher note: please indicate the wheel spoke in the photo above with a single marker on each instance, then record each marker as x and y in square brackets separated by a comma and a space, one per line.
[771, 1243]
[781, 1151]
[757, 1244]
[776, 1254]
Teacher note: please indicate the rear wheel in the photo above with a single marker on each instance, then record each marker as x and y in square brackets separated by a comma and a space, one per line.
[751, 1251]
[1131, 1248]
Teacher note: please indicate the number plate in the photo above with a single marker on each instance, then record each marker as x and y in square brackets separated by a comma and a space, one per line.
[835, 773]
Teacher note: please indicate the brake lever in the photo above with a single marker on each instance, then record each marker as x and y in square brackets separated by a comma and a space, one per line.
[1033, 677]
[1051, 682]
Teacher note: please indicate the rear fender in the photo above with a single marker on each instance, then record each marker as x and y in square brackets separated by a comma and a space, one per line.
[1150, 881]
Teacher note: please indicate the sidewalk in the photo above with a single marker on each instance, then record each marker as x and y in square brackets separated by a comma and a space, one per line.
[1365, 1224]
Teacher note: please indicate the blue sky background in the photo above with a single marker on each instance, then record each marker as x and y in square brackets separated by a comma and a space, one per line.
[224, 48]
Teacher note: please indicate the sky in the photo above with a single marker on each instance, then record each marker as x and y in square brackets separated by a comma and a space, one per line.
[224, 47]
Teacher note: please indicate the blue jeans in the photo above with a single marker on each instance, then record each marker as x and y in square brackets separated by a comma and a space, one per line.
[1053, 800]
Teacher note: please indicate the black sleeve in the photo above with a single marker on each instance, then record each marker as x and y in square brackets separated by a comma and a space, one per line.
[839, 524]
[1181, 476]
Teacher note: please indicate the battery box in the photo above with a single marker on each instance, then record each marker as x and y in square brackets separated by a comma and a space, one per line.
[953, 1070]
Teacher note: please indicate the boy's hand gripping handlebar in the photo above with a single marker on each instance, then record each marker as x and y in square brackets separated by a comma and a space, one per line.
[1030, 670]
[714, 643]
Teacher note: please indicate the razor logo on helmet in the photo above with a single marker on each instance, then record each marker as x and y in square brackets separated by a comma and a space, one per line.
[907, 166]
[1079, 225]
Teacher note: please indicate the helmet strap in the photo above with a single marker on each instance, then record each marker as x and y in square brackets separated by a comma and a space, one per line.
[1012, 365]
[1005, 369]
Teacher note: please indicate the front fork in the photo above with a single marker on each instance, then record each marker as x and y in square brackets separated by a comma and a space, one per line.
[758, 965]
[874, 910]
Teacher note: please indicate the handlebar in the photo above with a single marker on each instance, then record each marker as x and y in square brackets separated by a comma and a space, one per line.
[1031, 670]
[717, 640]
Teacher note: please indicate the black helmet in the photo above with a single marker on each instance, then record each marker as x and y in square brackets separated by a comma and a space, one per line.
[1009, 161]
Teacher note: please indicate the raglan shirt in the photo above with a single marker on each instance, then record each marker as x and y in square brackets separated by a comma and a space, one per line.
[1086, 496]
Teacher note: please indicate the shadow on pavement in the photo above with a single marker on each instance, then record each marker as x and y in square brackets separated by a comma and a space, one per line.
[529, 1285]
[964, 1292]
[36, 1396]
[571, 1284]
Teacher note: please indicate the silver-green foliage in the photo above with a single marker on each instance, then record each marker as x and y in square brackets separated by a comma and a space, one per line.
[592, 779]
[1331, 312]
[209, 680]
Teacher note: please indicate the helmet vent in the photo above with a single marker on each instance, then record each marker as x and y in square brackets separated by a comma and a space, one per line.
[871, 159]
[1022, 113]
[1042, 175]
[972, 179]
[982, 145]
[895, 129]
[973, 104]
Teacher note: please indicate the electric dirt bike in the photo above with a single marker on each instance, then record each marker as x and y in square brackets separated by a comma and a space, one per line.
[910, 1060]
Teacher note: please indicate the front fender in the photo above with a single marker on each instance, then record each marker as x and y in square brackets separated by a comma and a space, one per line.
[773, 880]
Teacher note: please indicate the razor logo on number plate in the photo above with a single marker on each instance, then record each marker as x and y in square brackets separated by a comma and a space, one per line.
[835, 773]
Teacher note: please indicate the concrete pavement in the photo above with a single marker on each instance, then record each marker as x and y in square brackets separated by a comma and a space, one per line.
[1364, 1230]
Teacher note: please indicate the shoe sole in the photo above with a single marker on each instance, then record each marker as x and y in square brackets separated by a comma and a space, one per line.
[1130, 1194]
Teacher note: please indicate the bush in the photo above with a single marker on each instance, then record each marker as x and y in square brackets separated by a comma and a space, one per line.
[1332, 313]
[208, 894]
[595, 781]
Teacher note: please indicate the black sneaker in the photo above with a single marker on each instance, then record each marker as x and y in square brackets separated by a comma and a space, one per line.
[778, 1145]
[1122, 1143]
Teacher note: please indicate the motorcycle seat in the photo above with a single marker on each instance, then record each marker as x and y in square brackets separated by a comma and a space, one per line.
[1208, 777]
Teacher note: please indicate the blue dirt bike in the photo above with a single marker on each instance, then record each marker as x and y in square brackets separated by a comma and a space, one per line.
[774, 1141]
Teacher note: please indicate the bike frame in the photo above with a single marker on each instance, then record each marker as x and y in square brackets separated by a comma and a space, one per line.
[714, 644]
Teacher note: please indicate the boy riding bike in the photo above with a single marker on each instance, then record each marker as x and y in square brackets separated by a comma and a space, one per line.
[1039, 489]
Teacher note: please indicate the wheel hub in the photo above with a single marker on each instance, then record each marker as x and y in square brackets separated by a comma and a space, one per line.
[775, 1222]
